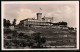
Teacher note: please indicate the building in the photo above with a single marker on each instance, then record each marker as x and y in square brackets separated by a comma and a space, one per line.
[40, 21]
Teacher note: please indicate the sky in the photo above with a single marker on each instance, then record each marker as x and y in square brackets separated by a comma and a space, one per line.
[60, 12]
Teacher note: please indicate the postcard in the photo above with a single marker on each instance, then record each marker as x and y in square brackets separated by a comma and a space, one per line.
[40, 25]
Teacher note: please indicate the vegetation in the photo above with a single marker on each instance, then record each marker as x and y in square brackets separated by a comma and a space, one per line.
[60, 23]
[7, 23]
[26, 40]
[14, 22]
[39, 40]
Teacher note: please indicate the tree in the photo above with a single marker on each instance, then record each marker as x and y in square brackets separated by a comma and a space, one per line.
[5, 22]
[39, 40]
[14, 34]
[21, 35]
[14, 22]
[62, 23]
[43, 39]
[8, 23]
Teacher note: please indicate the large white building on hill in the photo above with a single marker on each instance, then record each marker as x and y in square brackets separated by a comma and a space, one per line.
[40, 21]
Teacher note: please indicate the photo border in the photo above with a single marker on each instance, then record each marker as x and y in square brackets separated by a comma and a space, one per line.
[77, 23]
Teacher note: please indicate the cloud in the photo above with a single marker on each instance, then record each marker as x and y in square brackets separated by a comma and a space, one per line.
[24, 13]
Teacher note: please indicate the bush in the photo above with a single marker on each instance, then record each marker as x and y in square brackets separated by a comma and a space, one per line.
[8, 37]
[39, 40]
[7, 31]
[21, 35]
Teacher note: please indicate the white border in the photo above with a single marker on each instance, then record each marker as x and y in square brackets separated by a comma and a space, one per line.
[42, 2]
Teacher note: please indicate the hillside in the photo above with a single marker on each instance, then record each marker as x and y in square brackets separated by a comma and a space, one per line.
[54, 36]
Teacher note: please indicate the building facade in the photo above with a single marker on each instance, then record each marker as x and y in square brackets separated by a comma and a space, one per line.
[40, 21]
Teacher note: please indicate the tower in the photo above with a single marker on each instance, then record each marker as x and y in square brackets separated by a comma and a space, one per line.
[39, 15]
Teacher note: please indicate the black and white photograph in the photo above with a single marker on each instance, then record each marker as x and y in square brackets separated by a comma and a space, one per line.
[40, 25]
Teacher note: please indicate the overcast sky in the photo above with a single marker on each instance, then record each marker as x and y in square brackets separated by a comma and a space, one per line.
[60, 12]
